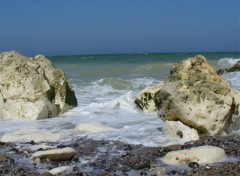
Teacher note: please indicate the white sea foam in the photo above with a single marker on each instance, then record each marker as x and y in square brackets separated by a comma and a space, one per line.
[227, 62]
[233, 78]
[109, 101]
[114, 107]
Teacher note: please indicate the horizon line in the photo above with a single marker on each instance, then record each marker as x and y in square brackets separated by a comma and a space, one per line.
[144, 53]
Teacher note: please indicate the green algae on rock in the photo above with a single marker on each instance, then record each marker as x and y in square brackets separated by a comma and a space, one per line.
[234, 68]
[145, 100]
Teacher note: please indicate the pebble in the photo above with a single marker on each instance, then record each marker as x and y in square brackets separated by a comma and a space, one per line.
[61, 154]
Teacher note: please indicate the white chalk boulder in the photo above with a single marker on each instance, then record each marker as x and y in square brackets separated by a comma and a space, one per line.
[197, 96]
[61, 154]
[30, 134]
[202, 155]
[177, 129]
[32, 88]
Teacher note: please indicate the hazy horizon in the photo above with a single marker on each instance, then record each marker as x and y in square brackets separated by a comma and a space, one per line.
[84, 27]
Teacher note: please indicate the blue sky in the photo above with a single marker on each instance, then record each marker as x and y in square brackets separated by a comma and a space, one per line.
[59, 27]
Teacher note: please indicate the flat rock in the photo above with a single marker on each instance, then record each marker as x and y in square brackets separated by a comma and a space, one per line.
[62, 154]
[93, 127]
[30, 134]
[61, 170]
[202, 155]
[198, 97]
[177, 129]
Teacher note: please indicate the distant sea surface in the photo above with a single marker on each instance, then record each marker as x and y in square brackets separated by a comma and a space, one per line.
[106, 87]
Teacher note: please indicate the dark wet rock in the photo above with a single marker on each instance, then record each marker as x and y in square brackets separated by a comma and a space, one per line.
[46, 174]
[234, 68]
[193, 165]
[2, 143]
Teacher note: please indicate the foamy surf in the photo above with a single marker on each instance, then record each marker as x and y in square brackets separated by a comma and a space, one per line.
[106, 95]
[227, 62]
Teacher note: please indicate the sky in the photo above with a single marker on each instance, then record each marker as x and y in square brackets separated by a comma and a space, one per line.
[61, 27]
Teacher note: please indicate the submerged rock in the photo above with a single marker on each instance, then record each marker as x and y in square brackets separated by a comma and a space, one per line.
[32, 88]
[198, 97]
[234, 68]
[30, 134]
[62, 154]
[178, 130]
[202, 155]
[93, 127]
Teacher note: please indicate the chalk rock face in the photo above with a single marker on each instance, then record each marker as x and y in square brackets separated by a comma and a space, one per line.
[145, 100]
[32, 88]
[198, 97]
[177, 129]
[202, 155]
[31, 134]
[62, 154]
[234, 68]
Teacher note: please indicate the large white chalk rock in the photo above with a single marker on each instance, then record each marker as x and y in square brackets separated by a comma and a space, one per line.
[177, 129]
[61, 154]
[145, 99]
[202, 155]
[30, 134]
[93, 127]
[197, 96]
[32, 88]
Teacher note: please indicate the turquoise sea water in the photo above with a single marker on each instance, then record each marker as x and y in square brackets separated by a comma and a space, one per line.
[94, 67]
[106, 87]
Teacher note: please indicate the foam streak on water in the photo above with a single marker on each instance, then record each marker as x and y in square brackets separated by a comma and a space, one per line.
[106, 91]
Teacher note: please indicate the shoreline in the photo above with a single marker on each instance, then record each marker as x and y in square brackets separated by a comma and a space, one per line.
[100, 157]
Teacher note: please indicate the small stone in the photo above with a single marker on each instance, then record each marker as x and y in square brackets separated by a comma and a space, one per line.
[62, 154]
[202, 155]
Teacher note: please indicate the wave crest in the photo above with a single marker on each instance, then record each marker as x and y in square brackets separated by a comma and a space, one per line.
[227, 62]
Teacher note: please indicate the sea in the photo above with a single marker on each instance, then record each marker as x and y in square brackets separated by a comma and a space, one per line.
[106, 87]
